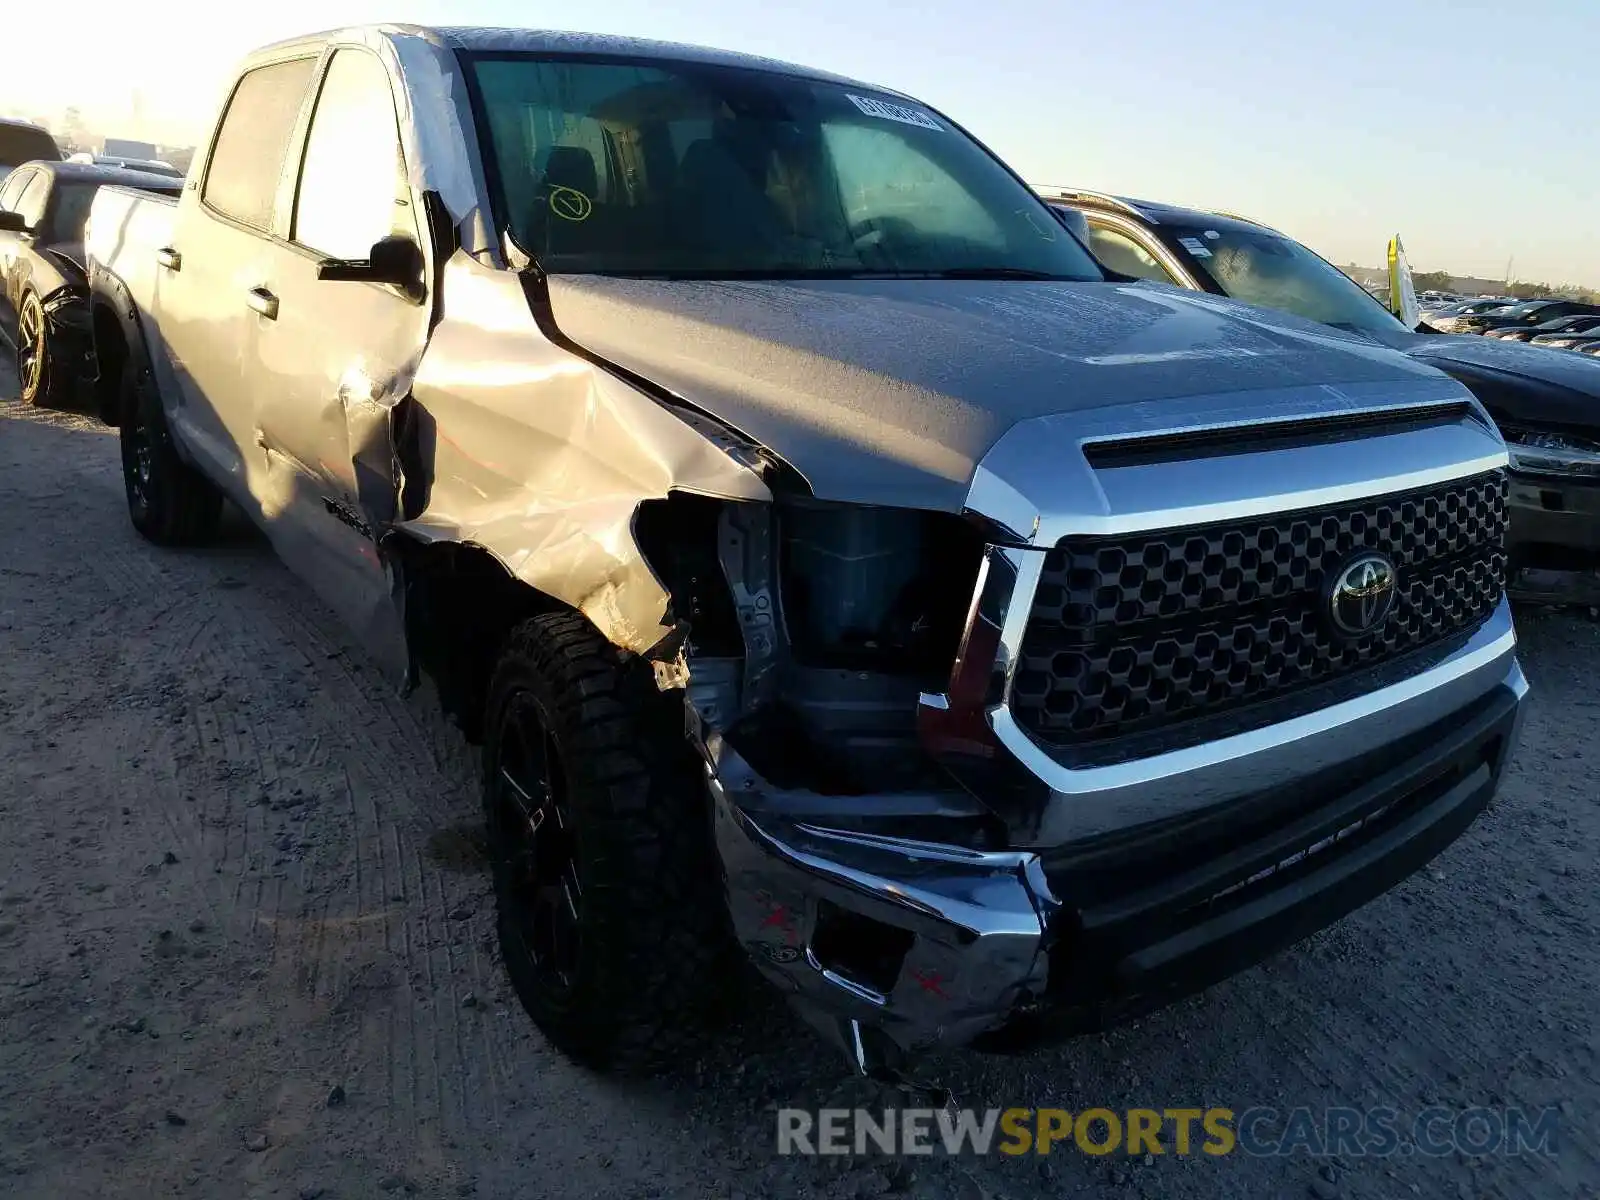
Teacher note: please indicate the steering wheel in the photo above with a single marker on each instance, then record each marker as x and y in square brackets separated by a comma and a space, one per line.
[866, 235]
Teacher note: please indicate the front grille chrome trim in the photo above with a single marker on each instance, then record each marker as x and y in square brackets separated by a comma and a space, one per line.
[1037, 482]
[1158, 633]
[1494, 641]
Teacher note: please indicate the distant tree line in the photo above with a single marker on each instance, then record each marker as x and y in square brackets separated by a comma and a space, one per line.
[1443, 281]
[1542, 291]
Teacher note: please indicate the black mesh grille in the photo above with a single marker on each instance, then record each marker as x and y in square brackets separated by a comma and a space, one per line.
[1141, 633]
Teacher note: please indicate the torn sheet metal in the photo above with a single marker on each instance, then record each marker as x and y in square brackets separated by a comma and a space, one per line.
[542, 458]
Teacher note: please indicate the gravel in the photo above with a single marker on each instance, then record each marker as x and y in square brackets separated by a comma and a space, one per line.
[200, 709]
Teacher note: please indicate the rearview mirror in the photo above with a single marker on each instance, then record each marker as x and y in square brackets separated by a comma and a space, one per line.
[396, 261]
[1402, 292]
[12, 222]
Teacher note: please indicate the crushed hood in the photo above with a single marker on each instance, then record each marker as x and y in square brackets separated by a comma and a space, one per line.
[1517, 382]
[891, 391]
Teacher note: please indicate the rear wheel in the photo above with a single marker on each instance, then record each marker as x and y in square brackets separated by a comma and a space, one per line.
[169, 502]
[607, 888]
[34, 369]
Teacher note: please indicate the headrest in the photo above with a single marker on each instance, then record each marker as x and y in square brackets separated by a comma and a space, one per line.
[571, 167]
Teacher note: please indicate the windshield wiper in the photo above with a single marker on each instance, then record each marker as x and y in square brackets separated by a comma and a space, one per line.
[994, 273]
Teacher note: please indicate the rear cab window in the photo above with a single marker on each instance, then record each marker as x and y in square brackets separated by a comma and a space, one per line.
[248, 155]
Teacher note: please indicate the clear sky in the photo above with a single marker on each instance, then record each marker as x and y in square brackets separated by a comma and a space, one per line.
[1470, 127]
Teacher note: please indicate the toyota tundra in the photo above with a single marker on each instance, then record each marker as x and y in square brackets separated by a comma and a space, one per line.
[833, 561]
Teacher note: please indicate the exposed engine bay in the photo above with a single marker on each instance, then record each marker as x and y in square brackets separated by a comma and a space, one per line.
[813, 628]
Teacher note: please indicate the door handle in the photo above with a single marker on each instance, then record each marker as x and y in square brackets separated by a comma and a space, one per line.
[263, 301]
[169, 258]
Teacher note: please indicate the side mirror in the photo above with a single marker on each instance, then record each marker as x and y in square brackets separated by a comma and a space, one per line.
[12, 222]
[396, 261]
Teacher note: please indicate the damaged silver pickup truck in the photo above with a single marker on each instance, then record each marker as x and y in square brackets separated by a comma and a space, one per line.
[832, 560]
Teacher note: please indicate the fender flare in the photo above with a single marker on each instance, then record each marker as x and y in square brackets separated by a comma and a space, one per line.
[110, 300]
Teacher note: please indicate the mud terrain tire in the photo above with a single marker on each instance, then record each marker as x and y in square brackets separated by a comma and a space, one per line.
[625, 804]
[169, 502]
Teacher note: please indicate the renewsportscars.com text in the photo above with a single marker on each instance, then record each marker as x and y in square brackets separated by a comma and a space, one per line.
[1258, 1131]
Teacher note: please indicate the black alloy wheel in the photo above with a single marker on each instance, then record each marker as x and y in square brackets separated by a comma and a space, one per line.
[33, 365]
[536, 846]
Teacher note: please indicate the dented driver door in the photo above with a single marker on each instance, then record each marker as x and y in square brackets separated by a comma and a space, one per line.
[332, 358]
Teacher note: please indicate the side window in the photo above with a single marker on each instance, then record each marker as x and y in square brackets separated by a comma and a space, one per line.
[1121, 253]
[32, 201]
[352, 183]
[11, 190]
[247, 160]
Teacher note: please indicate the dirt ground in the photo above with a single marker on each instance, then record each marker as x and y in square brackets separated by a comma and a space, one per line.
[246, 945]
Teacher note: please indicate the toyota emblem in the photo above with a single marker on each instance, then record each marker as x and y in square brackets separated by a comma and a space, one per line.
[1362, 594]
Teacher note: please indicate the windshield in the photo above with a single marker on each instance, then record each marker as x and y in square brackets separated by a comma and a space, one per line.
[1521, 310]
[687, 169]
[1265, 268]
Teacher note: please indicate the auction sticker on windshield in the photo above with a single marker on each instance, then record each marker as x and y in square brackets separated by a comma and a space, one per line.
[1195, 247]
[894, 112]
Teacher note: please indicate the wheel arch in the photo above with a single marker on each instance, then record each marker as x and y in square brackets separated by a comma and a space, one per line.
[110, 353]
[460, 603]
[117, 334]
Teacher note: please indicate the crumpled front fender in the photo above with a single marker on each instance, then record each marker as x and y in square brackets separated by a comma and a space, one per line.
[542, 458]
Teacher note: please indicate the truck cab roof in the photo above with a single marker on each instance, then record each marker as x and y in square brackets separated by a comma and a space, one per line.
[474, 39]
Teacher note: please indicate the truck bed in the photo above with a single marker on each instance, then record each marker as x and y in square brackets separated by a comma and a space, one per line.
[126, 228]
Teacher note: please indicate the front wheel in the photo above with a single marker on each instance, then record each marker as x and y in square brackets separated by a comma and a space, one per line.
[169, 502]
[35, 371]
[607, 888]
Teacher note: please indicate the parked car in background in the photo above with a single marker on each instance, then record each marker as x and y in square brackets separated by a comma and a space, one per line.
[23, 141]
[45, 303]
[1524, 315]
[1572, 323]
[1445, 321]
[1571, 340]
[801, 520]
[150, 166]
[127, 148]
[1546, 402]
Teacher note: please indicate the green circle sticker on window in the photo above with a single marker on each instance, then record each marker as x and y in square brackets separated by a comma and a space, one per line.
[570, 204]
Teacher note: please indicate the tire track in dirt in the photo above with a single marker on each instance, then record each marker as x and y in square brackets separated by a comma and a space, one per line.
[243, 642]
[386, 760]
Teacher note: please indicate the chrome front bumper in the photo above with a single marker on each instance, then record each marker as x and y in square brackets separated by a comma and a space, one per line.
[980, 924]
[958, 938]
[976, 920]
